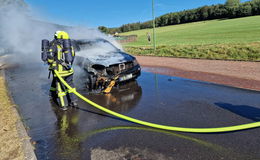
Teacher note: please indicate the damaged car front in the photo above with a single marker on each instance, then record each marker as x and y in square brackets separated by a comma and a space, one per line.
[105, 64]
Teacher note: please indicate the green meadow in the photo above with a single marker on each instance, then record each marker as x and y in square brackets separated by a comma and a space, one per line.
[229, 39]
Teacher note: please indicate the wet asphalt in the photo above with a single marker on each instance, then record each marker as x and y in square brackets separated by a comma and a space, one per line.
[87, 133]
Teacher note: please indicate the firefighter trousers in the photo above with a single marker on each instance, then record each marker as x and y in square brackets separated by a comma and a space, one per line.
[59, 91]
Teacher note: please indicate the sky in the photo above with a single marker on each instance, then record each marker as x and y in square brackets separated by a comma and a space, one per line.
[113, 13]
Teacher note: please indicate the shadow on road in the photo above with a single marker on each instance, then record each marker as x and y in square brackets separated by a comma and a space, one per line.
[248, 112]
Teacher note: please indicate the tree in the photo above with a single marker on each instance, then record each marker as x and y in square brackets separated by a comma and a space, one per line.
[255, 7]
[232, 12]
[245, 10]
[174, 18]
[103, 29]
[204, 13]
[232, 3]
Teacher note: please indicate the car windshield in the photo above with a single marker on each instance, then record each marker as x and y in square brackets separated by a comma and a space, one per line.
[99, 45]
[99, 51]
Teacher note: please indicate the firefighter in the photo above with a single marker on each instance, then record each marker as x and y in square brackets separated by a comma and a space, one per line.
[59, 54]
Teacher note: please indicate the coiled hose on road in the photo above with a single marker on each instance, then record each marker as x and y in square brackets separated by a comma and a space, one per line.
[164, 127]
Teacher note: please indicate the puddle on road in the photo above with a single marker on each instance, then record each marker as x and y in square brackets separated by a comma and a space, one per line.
[86, 133]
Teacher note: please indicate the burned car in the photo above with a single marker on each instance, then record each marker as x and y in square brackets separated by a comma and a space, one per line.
[105, 64]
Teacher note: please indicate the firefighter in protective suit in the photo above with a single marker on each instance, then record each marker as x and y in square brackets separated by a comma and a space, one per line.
[59, 54]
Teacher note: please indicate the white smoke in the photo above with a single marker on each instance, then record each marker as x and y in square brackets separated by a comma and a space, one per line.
[90, 34]
[99, 52]
[21, 35]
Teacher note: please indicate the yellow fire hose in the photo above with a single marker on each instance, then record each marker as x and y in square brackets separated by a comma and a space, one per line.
[164, 127]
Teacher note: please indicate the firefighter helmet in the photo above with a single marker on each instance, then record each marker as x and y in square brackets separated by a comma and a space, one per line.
[61, 35]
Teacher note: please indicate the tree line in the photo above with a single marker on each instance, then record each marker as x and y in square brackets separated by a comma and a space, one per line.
[231, 9]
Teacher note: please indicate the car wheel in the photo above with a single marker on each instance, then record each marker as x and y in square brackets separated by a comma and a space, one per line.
[91, 81]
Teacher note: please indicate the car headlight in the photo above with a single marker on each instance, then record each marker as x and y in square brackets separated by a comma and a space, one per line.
[135, 62]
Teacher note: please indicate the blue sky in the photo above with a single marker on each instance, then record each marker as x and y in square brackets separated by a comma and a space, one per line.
[113, 13]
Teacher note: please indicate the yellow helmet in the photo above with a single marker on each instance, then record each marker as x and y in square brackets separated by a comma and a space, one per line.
[61, 35]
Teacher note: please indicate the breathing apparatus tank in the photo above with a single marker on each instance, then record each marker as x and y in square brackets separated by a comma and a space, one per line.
[67, 48]
[45, 49]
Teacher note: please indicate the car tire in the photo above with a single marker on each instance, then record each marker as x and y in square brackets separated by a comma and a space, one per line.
[91, 81]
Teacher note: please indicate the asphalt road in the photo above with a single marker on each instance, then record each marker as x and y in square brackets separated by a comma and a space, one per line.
[87, 133]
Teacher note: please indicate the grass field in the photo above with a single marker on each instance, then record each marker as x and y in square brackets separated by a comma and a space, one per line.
[241, 36]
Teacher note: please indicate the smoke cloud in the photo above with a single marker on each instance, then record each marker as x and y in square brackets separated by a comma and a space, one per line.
[21, 36]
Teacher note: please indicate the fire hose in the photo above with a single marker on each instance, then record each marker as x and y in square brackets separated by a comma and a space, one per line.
[159, 126]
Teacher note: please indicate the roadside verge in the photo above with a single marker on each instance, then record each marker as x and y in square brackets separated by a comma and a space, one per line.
[14, 140]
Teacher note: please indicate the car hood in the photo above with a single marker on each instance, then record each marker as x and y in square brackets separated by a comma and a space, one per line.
[110, 58]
